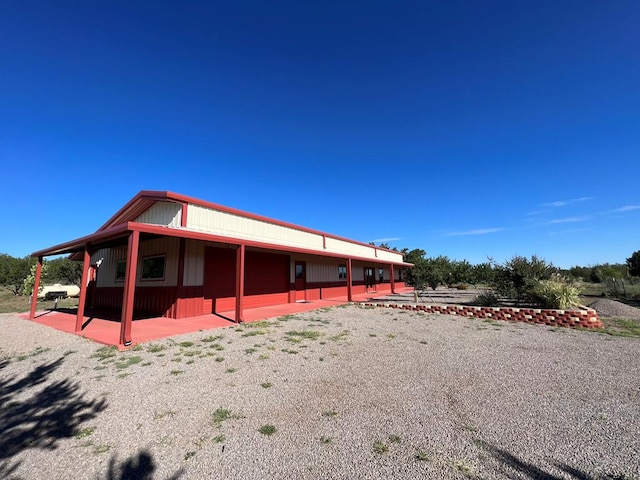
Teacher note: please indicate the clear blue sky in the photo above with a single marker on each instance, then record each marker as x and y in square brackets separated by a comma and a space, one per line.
[465, 128]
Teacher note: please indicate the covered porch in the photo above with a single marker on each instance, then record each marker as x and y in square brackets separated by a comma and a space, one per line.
[105, 328]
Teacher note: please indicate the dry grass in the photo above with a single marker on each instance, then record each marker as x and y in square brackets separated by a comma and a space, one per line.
[10, 303]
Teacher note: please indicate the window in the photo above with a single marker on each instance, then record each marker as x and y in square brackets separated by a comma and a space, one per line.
[381, 275]
[342, 272]
[153, 268]
[121, 270]
[299, 271]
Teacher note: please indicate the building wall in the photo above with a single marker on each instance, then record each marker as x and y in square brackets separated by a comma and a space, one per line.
[235, 226]
[263, 273]
[163, 213]
[167, 246]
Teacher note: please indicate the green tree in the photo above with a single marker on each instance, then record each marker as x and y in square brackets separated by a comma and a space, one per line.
[30, 280]
[633, 262]
[482, 273]
[65, 271]
[13, 272]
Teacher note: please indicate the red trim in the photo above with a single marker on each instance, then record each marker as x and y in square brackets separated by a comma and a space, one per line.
[209, 237]
[392, 278]
[79, 243]
[349, 281]
[183, 218]
[86, 263]
[140, 203]
[129, 288]
[36, 287]
[240, 282]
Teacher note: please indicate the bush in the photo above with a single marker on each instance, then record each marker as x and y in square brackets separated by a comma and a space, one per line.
[556, 294]
[487, 299]
[518, 277]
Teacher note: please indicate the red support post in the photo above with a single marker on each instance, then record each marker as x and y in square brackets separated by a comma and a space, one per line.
[349, 282]
[36, 287]
[129, 288]
[239, 282]
[83, 289]
[393, 280]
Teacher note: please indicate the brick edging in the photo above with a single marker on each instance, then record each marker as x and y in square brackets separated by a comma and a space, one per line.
[583, 318]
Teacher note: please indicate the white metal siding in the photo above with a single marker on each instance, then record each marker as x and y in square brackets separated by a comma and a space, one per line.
[322, 272]
[194, 263]
[161, 246]
[226, 224]
[163, 213]
[235, 226]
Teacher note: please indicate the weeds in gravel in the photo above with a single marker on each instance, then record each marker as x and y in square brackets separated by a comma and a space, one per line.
[462, 467]
[422, 456]
[395, 439]
[212, 338]
[101, 449]
[266, 385]
[231, 370]
[326, 440]
[295, 336]
[267, 430]
[127, 362]
[155, 348]
[223, 414]
[219, 359]
[249, 351]
[218, 439]
[68, 352]
[263, 357]
[85, 432]
[286, 318]
[329, 413]
[341, 336]
[176, 372]
[167, 413]
[189, 455]
[380, 447]
[186, 344]
[104, 353]
[254, 333]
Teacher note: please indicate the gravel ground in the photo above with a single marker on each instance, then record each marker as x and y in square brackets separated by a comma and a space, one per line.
[364, 393]
[612, 308]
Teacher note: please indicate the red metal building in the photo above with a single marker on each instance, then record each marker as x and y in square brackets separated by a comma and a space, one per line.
[166, 254]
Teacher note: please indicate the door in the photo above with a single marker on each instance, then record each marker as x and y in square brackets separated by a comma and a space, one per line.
[301, 281]
[369, 280]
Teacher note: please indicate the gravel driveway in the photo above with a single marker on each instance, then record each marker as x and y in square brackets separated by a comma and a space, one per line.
[351, 392]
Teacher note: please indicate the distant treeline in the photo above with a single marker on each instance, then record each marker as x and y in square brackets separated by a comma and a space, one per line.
[428, 271]
[15, 271]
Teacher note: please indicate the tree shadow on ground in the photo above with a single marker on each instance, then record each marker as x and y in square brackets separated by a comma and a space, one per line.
[509, 460]
[138, 467]
[37, 412]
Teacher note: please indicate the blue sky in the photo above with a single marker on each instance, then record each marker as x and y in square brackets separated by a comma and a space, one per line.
[468, 129]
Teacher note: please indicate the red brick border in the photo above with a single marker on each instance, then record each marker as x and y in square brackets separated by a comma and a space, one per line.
[583, 318]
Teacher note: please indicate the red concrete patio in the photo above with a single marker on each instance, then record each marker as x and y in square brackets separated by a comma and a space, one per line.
[105, 328]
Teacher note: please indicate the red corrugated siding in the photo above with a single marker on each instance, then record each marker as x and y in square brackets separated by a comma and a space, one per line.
[266, 279]
[153, 301]
[219, 279]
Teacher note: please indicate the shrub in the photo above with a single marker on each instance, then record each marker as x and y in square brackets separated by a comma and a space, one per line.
[556, 294]
[518, 277]
[487, 299]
